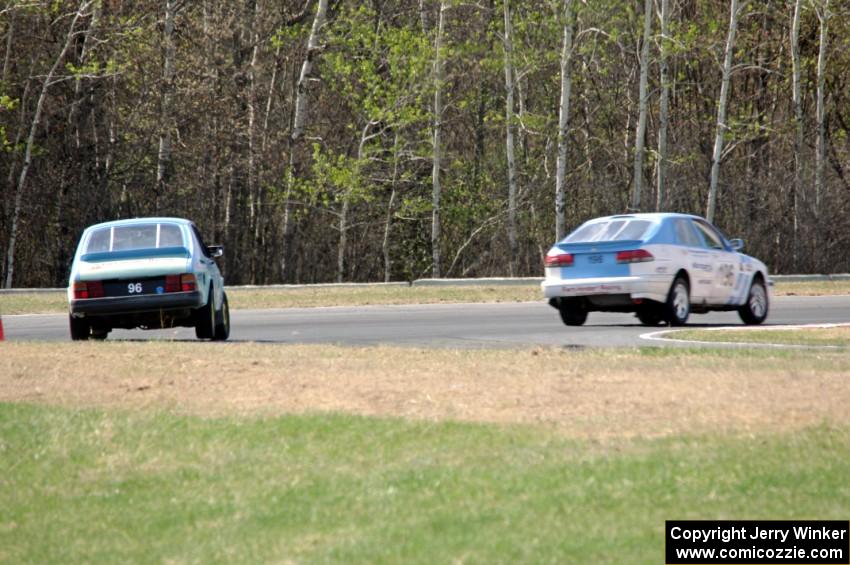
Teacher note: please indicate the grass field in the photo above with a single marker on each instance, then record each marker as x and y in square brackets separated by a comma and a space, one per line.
[56, 302]
[196, 452]
[116, 486]
[832, 337]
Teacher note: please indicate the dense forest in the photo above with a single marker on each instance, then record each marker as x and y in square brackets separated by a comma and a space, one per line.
[332, 140]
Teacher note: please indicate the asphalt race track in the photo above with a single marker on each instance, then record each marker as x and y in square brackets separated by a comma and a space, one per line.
[442, 325]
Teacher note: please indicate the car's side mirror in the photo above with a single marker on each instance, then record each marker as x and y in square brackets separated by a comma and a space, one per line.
[215, 250]
[737, 244]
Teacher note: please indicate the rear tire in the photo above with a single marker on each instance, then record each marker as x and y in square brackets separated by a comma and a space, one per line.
[80, 328]
[754, 311]
[678, 305]
[205, 318]
[222, 327]
[650, 314]
[573, 312]
[99, 335]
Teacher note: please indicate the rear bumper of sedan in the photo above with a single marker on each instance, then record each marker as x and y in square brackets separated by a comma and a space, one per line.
[649, 287]
[136, 304]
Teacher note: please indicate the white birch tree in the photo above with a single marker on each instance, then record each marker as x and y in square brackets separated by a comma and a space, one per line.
[797, 103]
[643, 98]
[820, 111]
[563, 123]
[509, 140]
[164, 165]
[436, 188]
[299, 122]
[663, 109]
[721, 111]
[48, 81]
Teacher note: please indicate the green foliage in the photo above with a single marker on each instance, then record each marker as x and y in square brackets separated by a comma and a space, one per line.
[380, 71]
[336, 176]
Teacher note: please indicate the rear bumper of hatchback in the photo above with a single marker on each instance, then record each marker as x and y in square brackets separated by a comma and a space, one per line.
[136, 304]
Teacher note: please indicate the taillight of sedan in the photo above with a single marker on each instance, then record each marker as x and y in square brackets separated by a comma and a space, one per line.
[634, 256]
[560, 260]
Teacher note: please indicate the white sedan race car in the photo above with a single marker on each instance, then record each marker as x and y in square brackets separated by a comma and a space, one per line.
[663, 267]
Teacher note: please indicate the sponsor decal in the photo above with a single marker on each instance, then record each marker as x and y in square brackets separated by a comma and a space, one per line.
[591, 289]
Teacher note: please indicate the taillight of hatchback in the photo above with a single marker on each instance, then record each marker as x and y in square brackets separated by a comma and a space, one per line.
[88, 289]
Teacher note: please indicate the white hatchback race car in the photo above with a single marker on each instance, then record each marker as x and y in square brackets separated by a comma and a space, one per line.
[149, 273]
[663, 267]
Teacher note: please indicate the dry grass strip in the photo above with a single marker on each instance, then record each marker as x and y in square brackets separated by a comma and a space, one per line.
[589, 394]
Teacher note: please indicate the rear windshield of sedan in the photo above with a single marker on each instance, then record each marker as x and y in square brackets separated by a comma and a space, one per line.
[136, 236]
[610, 230]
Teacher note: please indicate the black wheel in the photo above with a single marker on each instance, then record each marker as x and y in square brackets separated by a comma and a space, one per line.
[754, 310]
[650, 314]
[205, 318]
[80, 328]
[678, 305]
[99, 334]
[222, 326]
[573, 312]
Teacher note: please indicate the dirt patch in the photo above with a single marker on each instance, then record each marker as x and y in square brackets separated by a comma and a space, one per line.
[597, 394]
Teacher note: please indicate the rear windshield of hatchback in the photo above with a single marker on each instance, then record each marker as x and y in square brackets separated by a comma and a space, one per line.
[135, 236]
[622, 229]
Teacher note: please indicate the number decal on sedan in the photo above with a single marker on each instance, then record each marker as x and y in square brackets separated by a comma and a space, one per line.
[727, 272]
[134, 288]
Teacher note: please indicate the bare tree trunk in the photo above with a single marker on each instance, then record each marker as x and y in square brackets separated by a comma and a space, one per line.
[563, 124]
[298, 125]
[385, 245]
[423, 16]
[13, 162]
[820, 151]
[254, 187]
[797, 102]
[78, 82]
[640, 132]
[343, 237]
[22, 179]
[346, 205]
[509, 141]
[721, 111]
[663, 110]
[269, 101]
[10, 41]
[164, 163]
[438, 122]
[300, 119]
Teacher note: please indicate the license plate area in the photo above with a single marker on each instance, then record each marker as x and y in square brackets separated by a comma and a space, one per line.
[135, 287]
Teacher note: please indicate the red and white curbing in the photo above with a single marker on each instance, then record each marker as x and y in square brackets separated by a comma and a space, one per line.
[659, 336]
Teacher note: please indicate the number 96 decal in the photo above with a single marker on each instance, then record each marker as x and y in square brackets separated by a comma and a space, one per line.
[134, 288]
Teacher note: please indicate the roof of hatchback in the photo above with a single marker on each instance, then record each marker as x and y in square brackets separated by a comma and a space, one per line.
[132, 221]
[654, 216]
